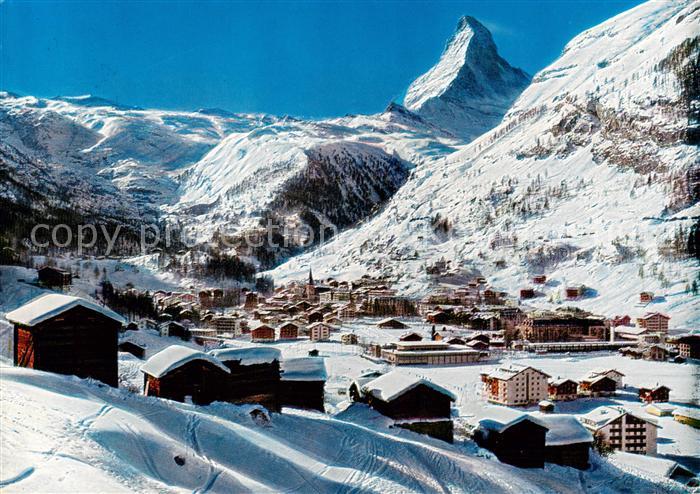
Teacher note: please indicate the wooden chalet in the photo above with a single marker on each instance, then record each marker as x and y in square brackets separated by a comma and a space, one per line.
[621, 321]
[391, 323]
[134, 349]
[319, 331]
[539, 279]
[654, 395]
[515, 438]
[526, 293]
[574, 292]
[646, 297]
[315, 316]
[262, 333]
[567, 441]
[563, 389]
[302, 383]
[348, 339]
[184, 374]
[456, 340]
[658, 353]
[437, 317]
[254, 375]
[477, 345]
[67, 335]
[598, 386]
[415, 404]
[54, 277]
[410, 336]
[288, 331]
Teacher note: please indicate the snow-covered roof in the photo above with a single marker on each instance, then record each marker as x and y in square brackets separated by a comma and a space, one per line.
[394, 384]
[47, 306]
[643, 463]
[506, 373]
[563, 429]
[561, 380]
[687, 412]
[498, 418]
[176, 356]
[602, 416]
[303, 369]
[247, 356]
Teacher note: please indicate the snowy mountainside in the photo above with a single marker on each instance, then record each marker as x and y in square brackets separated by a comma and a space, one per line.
[558, 186]
[471, 87]
[304, 174]
[79, 436]
[120, 152]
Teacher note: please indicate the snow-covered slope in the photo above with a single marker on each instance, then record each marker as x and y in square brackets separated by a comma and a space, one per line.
[70, 435]
[125, 157]
[471, 87]
[587, 179]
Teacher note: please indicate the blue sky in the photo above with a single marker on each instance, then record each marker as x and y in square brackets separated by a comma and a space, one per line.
[308, 58]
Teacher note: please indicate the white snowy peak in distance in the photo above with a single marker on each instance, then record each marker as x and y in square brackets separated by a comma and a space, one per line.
[471, 87]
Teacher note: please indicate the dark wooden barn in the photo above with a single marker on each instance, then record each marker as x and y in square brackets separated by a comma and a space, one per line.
[134, 349]
[184, 374]
[54, 277]
[254, 377]
[410, 336]
[600, 386]
[67, 335]
[518, 440]
[415, 404]
[654, 395]
[302, 383]
[563, 389]
[391, 323]
[567, 442]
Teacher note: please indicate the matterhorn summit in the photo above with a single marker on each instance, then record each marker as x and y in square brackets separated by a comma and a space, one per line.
[471, 87]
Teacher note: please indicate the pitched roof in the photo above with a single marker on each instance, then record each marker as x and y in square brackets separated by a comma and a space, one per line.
[303, 369]
[498, 418]
[563, 429]
[506, 373]
[248, 355]
[47, 306]
[602, 416]
[174, 357]
[394, 384]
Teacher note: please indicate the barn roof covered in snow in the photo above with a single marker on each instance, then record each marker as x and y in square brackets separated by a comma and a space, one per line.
[176, 356]
[394, 384]
[303, 369]
[563, 429]
[498, 418]
[47, 306]
[646, 464]
[248, 355]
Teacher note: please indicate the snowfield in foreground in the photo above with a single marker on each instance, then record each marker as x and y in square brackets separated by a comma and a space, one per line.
[72, 435]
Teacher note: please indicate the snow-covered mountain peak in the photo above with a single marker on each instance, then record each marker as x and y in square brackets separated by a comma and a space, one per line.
[471, 87]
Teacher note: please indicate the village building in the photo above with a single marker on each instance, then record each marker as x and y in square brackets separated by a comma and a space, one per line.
[567, 441]
[658, 353]
[632, 352]
[314, 316]
[227, 325]
[477, 345]
[622, 430]
[262, 333]
[653, 466]
[410, 336]
[67, 335]
[456, 340]
[654, 395]
[251, 301]
[348, 339]
[347, 311]
[621, 321]
[413, 403]
[319, 331]
[430, 353]
[54, 277]
[288, 331]
[526, 293]
[134, 349]
[597, 386]
[574, 292]
[516, 438]
[613, 374]
[561, 389]
[254, 375]
[539, 279]
[562, 325]
[437, 317]
[688, 416]
[515, 385]
[659, 409]
[688, 346]
[391, 323]
[646, 297]
[654, 322]
[302, 383]
[184, 374]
